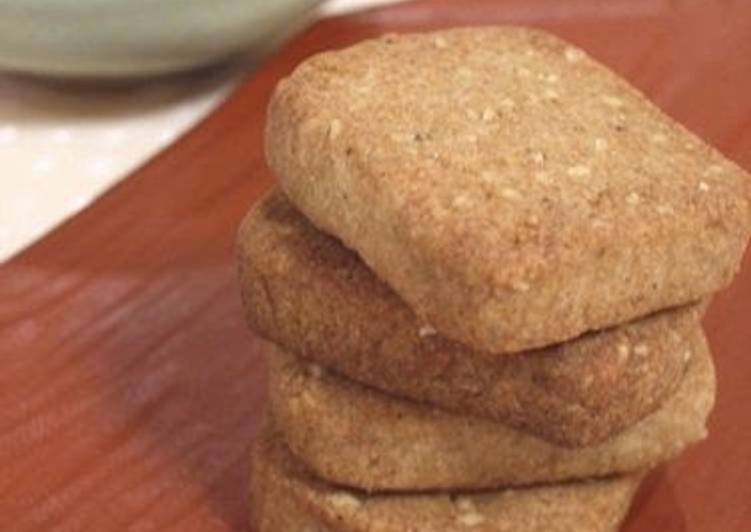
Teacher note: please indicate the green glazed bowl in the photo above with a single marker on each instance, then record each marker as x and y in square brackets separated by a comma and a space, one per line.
[134, 38]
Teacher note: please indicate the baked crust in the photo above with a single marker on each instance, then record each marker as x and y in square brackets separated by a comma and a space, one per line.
[512, 190]
[355, 436]
[284, 498]
[304, 291]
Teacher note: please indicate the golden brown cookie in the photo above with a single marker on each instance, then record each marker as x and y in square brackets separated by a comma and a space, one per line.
[284, 498]
[306, 292]
[355, 436]
[512, 190]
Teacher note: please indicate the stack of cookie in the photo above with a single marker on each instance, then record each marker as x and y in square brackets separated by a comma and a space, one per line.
[483, 278]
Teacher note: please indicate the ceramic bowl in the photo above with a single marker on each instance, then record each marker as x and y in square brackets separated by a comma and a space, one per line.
[131, 38]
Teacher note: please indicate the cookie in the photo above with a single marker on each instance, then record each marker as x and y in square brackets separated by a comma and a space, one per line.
[284, 498]
[512, 190]
[306, 292]
[355, 436]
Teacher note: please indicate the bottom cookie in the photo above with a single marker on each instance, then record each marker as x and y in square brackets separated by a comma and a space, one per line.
[285, 498]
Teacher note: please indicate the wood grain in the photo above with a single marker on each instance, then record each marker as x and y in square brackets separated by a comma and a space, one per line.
[129, 387]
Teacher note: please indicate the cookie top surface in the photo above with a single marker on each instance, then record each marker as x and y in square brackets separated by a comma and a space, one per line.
[502, 142]
[486, 160]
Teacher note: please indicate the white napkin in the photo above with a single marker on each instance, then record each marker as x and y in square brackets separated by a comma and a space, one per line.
[61, 148]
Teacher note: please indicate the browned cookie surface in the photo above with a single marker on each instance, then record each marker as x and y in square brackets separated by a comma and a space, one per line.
[286, 499]
[514, 192]
[355, 436]
[306, 292]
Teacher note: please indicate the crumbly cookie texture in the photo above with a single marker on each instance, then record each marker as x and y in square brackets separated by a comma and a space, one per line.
[284, 498]
[306, 292]
[355, 436]
[512, 190]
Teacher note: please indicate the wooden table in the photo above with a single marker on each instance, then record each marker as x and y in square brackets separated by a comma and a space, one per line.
[130, 389]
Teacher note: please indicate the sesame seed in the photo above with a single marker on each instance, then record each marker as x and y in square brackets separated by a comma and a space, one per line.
[601, 144]
[488, 115]
[713, 169]
[641, 350]
[659, 138]
[508, 103]
[550, 94]
[612, 101]
[551, 78]
[520, 286]
[426, 330]
[579, 171]
[440, 42]
[524, 72]
[633, 199]
[598, 223]
[573, 55]
[624, 350]
[344, 500]
[703, 186]
[470, 519]
[461, 201]
[510, 193]
[335, 128]
[465, 504]
[687, 355]
[665, 209]
[538, 157]
[403, 137]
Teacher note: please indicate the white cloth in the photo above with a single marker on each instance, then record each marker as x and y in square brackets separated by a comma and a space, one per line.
[62, 146]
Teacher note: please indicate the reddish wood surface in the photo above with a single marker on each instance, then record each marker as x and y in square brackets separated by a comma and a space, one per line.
[129, 388]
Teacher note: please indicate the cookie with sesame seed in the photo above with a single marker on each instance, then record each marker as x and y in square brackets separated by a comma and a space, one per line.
[285, 498]
[512, 190]
[352, 435]
[305, 291]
